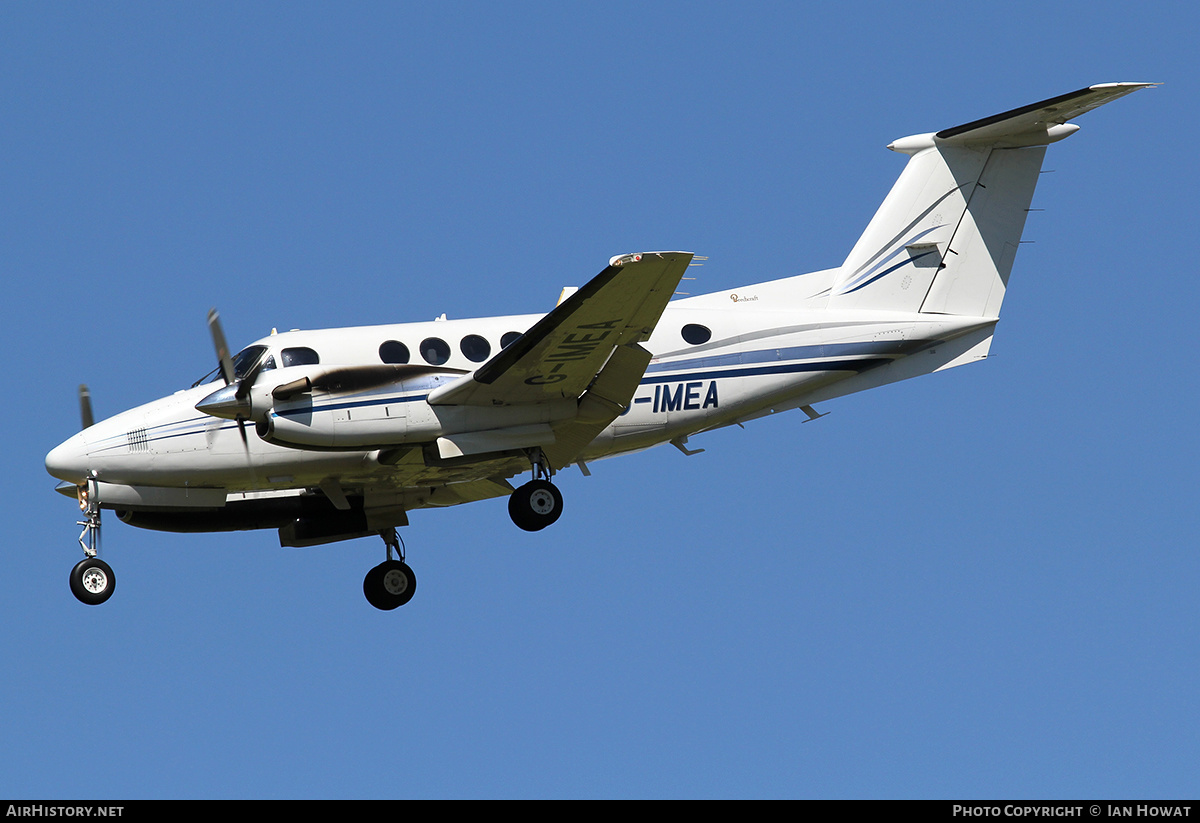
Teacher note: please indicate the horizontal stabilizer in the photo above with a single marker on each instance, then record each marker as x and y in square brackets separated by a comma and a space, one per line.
[1038, 118]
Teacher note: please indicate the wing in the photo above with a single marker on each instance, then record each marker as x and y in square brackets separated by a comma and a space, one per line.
[563, 352]
[586, 350]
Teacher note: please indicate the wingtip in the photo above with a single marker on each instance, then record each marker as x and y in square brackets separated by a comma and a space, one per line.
[1126, 84]
[619, 260]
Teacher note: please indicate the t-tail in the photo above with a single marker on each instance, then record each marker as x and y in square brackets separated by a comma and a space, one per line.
[944, 240]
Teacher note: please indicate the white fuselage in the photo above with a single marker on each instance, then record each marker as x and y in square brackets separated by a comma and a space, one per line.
[747, 353]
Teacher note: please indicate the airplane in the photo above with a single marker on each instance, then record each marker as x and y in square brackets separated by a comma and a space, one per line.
[334, 434]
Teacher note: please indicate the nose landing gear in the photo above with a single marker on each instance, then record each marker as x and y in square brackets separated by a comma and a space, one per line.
[92, 580]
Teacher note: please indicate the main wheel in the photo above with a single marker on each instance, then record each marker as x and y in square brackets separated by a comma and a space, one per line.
[390, 585]
[535, 505]
[92, 581]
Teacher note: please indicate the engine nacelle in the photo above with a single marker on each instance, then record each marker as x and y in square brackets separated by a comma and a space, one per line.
[346, 415]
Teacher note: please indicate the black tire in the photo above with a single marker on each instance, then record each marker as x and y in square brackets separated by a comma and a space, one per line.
[390, 585]
[92, 581]
[535, 505]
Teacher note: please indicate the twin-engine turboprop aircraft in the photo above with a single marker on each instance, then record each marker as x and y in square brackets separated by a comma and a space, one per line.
[336, 434]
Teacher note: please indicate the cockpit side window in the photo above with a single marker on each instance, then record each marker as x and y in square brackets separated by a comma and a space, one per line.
[299, 356]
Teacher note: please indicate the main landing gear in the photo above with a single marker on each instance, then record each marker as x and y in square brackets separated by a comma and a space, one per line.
[392, 583]
[92, 580]
[533, 507]
[538, 503]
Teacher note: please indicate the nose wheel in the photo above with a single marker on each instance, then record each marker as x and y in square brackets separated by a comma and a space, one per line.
[392, 583]
[92, 581]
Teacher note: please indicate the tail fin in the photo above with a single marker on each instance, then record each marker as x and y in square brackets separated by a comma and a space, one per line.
[944, 240]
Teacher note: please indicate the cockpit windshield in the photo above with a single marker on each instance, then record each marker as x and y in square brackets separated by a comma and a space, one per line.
[243, 362]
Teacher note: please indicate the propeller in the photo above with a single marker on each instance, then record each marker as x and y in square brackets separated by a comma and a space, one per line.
[218, 336]
[221, 401]
[233, 401]
[85, 407]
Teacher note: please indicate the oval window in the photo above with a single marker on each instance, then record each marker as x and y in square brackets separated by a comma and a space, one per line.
[475, 348]
[435, 351]
[696, 334]
[393, 351]
[300, 356]
[509, 338]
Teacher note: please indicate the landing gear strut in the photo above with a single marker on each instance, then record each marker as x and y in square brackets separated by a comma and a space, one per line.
[92, 580]
[538, 503]
[392, 583]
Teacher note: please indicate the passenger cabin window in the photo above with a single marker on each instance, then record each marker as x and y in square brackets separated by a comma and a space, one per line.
[435, 351]
[393, 351]
[475, 348]
[509, 338]
[300, 356]
[696, 334]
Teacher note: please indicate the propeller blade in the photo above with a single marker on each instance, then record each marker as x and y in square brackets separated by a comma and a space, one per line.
[218, 336]
[85, 407]
[242, 387]
[245, 384]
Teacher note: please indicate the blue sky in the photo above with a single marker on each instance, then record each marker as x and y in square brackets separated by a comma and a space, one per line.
[976, 584]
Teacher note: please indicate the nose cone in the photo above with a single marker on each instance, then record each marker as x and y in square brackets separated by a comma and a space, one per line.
[69, 461]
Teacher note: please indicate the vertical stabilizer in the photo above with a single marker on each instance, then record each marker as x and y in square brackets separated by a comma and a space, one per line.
[896, 260]
[944, 240]
[979, 256]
